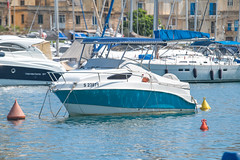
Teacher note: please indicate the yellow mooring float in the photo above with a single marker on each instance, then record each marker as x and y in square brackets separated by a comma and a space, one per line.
[205, 105]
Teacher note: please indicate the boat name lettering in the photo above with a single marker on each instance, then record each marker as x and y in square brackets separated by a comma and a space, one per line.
[91, 84]
[35, 74]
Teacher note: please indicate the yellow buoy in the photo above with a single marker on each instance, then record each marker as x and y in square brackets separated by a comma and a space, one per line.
[205, 105]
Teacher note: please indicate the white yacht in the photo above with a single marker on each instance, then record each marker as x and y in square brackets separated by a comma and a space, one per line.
[23, 64]
[186, 64]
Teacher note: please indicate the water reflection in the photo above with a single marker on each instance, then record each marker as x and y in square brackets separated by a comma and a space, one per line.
[97, 119]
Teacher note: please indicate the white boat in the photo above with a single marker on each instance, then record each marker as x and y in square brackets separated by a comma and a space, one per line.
[186, 64]
[125, 88]
[23, 64]
[193, 66]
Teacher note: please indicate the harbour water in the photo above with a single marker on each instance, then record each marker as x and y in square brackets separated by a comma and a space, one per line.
[128, 137]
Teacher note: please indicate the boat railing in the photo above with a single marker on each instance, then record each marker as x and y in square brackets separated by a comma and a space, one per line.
[145, 77]
[115, 75]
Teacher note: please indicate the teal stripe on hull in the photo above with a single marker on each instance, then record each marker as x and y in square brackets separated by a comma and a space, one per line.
[125, 99]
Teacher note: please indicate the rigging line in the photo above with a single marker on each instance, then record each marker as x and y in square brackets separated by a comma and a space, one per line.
[169, 18]
[203, 16]
[77, 102]
[39, 115]
[74, 84]
[120, 19]
[50, 106]
[34, 17]
[83, 14]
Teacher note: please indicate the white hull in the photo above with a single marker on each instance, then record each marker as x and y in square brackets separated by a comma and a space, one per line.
[81, 109]
[230, 73]
[11, 82]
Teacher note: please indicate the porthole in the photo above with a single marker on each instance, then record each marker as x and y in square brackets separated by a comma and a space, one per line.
[13, 70]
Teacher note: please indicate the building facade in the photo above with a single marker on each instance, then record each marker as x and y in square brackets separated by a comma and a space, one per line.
[217, 17]
[39, 14]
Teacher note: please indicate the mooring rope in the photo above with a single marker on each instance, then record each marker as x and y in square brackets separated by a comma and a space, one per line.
[74, 84]
[39, 115]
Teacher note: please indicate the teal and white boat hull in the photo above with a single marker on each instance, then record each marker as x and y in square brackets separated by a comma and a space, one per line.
[117, 101]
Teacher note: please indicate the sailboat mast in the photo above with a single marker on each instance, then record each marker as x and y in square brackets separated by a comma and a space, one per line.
[121, 16]
[238, 37]
[57, 26]
[9, 13]
[195, 16]
[216, 19]
[155, 18]
[73, 21]
[186, 4]
[131, 16]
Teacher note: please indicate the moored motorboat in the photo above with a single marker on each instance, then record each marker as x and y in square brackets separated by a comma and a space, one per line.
[124, 88]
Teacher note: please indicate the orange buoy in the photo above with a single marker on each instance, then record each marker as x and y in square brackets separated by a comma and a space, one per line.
[204, 126]
[16, 112]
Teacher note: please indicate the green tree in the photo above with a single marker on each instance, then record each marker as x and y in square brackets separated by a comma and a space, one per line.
[142, 23]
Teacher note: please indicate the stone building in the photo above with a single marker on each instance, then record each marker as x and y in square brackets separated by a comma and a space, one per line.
[224, 26]
[3, 13]
[39, 14]
[217, 17]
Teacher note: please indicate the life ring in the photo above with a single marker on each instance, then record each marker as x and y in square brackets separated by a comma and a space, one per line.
[145, 79]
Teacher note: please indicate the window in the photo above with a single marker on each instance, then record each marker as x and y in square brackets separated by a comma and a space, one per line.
[236, 25]
[230, 3]
[180, 69]
[22, 2]
[192, 62]
[61, 18]
[229, 28]
[187, 69]
[120, 76]
[94, 20]
[40, 19]
[107, 3]
[12, 19]
[77, 19]
[192, 8]
[229, 38]
[182, 61]
[173, 22]
[212, 9]
[140, 5]
[212, 27]
[12, 47]
[22, 18]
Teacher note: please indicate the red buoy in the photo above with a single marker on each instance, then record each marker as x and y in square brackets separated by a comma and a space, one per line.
[204, 126]
[16, 112]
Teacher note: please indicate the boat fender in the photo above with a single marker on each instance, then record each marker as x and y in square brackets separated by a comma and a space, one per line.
[166, 70]
[194, 72]
[211, 74]
[145, 79]
[220, 73]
